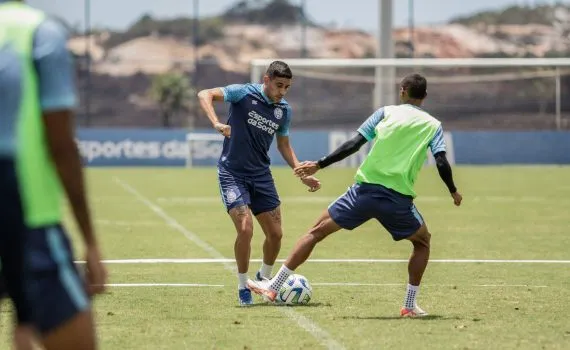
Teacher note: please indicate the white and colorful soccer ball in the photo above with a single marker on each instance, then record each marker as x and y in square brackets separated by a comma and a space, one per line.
[295, 291]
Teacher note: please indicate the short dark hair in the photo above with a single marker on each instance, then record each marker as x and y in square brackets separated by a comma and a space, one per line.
[279, 69]
[415, 85]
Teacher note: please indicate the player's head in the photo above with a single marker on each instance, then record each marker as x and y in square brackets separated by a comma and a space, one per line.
[413, 89]
[277, 80]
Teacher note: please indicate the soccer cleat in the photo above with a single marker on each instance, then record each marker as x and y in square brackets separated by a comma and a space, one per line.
[258, 276]
[244, 297]
[262, 288]
[413, 313]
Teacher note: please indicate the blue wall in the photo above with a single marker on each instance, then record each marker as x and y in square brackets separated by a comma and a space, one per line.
[144, 147]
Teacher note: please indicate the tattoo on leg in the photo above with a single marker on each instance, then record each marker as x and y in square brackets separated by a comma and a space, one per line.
[241, 211]
[276, 215]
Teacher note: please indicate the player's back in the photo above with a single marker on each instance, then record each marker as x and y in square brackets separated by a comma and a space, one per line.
[399, 150]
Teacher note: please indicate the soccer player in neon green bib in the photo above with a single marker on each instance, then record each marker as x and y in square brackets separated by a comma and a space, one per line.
[384, 188]
[39, 160]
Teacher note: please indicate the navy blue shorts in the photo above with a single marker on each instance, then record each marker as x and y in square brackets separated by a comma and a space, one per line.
[56, 289]
[362, 202]
[257, 192]
[12, 242]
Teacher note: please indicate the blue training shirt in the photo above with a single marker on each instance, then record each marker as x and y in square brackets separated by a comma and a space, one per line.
[368, 130]
[254, 120]
[56, 85]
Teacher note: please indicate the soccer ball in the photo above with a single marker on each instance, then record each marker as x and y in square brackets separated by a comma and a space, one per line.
[295, 291]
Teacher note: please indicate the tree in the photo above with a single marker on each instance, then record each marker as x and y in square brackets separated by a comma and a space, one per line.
[172, 92]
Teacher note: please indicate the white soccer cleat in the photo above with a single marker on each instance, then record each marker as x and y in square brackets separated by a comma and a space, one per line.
[413, 313]
[262, 288]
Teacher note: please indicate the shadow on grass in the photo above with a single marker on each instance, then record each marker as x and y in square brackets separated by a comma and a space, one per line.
[262, 304]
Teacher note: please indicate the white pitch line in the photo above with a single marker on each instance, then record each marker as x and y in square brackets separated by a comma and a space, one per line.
[175, 224]
[305, 323]
[331, 284]
[163, 285]
[348, 261]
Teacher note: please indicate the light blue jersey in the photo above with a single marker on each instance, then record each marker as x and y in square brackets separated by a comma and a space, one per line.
[368, 130]
[56, 85]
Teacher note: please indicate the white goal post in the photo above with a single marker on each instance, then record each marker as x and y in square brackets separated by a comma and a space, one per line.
[203, 146]
[385, 69]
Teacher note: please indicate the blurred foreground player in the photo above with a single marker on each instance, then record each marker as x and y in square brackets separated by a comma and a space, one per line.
[37, 95]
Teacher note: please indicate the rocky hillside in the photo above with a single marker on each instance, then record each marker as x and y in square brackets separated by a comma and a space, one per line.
[123, 63]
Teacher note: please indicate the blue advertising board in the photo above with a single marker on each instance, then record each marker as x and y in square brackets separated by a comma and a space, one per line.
[170, 147]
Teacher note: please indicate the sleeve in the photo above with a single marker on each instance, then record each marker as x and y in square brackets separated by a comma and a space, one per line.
[368, 128]
[234, 93]
[54, 66]
[284, 129]
[437, 144]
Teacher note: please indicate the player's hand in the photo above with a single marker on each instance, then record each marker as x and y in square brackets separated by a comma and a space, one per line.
[312, 182]
[457, 198]
[307, 168]
[223, 129]
[95, 271]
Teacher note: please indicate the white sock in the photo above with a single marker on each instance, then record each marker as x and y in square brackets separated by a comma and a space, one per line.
[280, 278]
[411, 294]
[265, 270]
[242, 278]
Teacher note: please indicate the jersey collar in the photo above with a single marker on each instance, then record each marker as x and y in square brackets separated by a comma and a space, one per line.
[267, 99]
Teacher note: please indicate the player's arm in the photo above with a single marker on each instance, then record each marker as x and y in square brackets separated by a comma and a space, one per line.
[207, 98]
[57, 93]
[283, 144]
[288, 154]
[286, 150]
[445, 172]
[345, 150]
[438, 149]
[366, 132]
[231, 93]
[58, 99]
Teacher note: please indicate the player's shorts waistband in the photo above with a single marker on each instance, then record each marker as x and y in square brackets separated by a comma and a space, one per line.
[383, 188]
[243, 173]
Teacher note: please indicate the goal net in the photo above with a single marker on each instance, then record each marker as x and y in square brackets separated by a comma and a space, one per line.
[466, 94]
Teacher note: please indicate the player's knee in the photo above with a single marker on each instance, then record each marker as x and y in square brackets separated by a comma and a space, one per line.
[275, 235]
[422, 238]
[245, 232]
[245, 229]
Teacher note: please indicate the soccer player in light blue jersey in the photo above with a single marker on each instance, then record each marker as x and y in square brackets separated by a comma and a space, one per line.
[258, 114]
[38, 161]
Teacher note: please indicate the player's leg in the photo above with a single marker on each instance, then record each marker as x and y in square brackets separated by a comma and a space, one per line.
[62, 309]
[416, 268]
[398, 214]
[243, 222]
[12, 260]
[236, 199]
[266, 207]
[270, 222]
[348, 212]
[420, 255]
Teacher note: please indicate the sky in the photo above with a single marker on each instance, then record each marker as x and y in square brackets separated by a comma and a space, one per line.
[361, 14]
